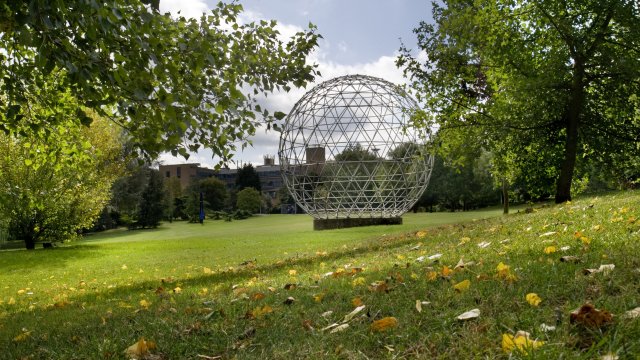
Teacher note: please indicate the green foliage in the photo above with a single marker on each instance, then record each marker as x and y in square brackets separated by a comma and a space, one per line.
[127, 192]
[546, 86]
[55, 184]
[249, 199]
[247, 177]
[174, 84]
[153, 202]
[214, 192]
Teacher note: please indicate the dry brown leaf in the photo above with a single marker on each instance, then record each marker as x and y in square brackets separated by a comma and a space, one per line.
[570, 259]
[339, 328]
[590, 317]
[357, 302]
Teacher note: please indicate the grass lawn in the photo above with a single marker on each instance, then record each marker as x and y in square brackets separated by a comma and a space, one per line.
[272, 287]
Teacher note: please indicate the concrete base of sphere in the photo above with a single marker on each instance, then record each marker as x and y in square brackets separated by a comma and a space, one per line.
[327, 224]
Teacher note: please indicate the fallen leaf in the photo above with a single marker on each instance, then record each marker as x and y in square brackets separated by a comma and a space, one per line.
[420, 259]
[140, 348]
[484, 244]
[605, 269]
[177, 290]
[590, 317]
[339, 328]
[585, 240]
[379, 286]
[22, 336]
[207, 270]
[462, 286]
[471, 314]
[547, 328]
[11, 301]
[357, 302]
[384, 324]
[290, 286]
[504, 272]
[259, 312]
[326, 314]
[419, 306]
[609, 356]
[550, 250]
[307, 325]
[293, 272]
[258, 296]
[124, 267]
[632, 314]
[548, 233]
[432, 275]
[435, 257]
[359, 281]
[446, 271]
[144, 303]
[355, 312]
[421, 234]
[570, 259]
[290, 300]
[318, 297]
[521, 342]
[565, 248]
[533, 299]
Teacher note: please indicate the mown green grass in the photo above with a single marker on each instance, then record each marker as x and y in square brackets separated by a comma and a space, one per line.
[87, 299]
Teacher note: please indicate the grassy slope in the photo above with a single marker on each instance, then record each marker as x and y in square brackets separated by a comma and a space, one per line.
[104, 294]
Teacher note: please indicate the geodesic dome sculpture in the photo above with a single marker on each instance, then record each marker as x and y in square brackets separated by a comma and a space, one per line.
[347, 150]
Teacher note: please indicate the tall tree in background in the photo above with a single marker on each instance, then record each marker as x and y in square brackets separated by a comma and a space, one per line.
[542, 84]
[153, 202]
[173, 84]
[214, 192]
[248, 178]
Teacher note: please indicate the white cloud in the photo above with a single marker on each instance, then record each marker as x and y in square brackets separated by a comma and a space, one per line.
[186, 8]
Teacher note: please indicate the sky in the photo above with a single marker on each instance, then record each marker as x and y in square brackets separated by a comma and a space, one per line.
[359, 37]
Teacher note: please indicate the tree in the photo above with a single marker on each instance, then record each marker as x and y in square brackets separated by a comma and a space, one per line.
[549, 83]
[248, 178]
[48, 192]
[153, 202]
[173, 84]
[214, 192]
[127, 192]
[249, 199]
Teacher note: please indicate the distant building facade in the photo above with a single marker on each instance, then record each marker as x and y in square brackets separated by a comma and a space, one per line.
[269, 173]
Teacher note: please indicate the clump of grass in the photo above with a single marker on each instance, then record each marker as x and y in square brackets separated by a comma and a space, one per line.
[278, 306]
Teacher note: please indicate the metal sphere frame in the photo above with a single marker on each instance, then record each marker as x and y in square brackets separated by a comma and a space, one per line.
[347, 150]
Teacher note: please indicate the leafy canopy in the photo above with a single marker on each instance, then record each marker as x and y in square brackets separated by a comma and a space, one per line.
[173, 84]
[545, 85]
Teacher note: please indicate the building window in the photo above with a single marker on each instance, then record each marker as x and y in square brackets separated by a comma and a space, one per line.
[178, 171]
[168, 173]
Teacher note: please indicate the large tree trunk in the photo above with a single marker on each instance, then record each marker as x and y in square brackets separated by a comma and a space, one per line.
[30, 243]
[572, 123]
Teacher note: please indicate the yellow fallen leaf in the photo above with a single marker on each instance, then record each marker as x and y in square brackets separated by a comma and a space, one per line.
[207, 270]
[318, 297]
[585, 240]
[23, 336]
[550, 249]
[144, 303]
[504, 272]
[520, 342]
[462, 286]
[533, 299]
[446, 271]
[140, 348]
[421, 234]
[21, 291]
[177, 290]
[293, 272]
[261, 311]
[11, 301]
[384, 324]
[124, 267]
[432, 275]
[359, 281]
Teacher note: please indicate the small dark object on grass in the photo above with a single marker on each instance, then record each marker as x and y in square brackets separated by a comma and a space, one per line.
[47, 245]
